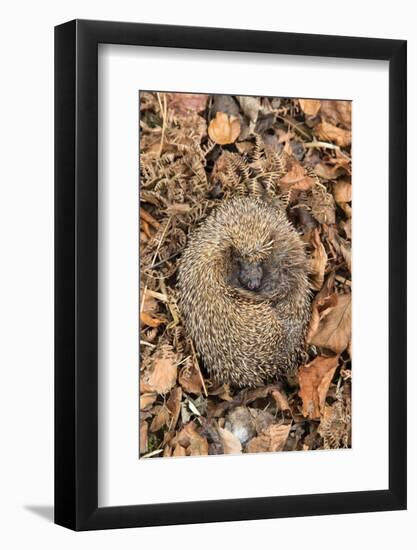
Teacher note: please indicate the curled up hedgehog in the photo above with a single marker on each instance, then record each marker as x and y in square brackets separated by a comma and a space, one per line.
[244, 292]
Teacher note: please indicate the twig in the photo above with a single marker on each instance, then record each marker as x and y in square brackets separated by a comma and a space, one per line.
[164, 116]
[294, 124]
[145, 343]
[167, 259]
[160, 242]
[326, 145]
[152, 453]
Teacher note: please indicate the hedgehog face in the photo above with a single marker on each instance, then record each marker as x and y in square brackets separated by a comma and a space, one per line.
[250, 274]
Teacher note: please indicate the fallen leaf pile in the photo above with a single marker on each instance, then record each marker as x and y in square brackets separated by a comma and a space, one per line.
[197, 150]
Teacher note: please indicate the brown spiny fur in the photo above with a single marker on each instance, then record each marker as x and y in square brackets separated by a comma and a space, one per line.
[245, 338]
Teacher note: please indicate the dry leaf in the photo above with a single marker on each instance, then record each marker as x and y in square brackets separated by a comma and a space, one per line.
[231, 444]
[318, 261]
[160, 419]
[179, 450]
[322, 304]
[327, 172]
[314, 380]
[190, 379]
[296, 179]
[310, 106]
[272, 440]
[195, 443]
[183, 103]
[163, 372]
[337, 112]
[143, 437]
[224, 129]
[335, 328]
[342, 191]
[150, 321]
[174, 405]
[281, 400]
[327, 132]
[147, 399]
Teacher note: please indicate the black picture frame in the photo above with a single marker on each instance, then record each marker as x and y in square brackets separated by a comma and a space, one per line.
[76, 271]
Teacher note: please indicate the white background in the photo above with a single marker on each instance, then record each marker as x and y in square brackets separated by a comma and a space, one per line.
[26, 401]
[123, 479]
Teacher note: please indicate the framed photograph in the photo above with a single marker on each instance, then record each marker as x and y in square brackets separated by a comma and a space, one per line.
[230, 252]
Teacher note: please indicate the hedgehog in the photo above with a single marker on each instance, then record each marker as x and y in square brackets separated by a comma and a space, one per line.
[244, 292]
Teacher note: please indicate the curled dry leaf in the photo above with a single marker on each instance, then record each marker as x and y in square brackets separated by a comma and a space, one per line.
[160, 419]
[337, 112]
[195, 443]
[314, 380]
[179, 450]
[310, 106]
[183, 103]
[329, 172]
[322, 304]
[224, 129]
[162, 374]
[280, 400]
[342, 191]
[231, 444]
[334, 329]
[174, 405]
[296, 179]
[318, 261]
[327, 132]
[190, 379]
[146, 319]
[147, 399]
[272, 439]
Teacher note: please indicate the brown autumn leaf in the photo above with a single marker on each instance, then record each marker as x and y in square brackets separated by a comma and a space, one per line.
[150, 321]
[183, 103]
[143, 437]
[160, 419]
[328, 172]
[179, 450]
[337, 112]
[189, 438]
[322, 304]
[335, 328]
[280, 400]
[318, 261]
[231, 444]
[310, 106]
[224, 129]
[296, 179]
[174, 405]
[190, 379]
[314, 380]
[342, 191]
[327, 132]
[162, 374]
[147, 399]
[272, 439]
